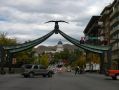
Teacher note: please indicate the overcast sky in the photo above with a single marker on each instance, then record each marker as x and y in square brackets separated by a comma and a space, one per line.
[24, 19]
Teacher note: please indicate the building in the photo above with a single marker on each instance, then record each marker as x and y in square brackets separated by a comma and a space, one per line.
[110, 30]
[92, 31]
[105, 26]
[59, 48]
[104, 30]
[92, 37]
[114, 33]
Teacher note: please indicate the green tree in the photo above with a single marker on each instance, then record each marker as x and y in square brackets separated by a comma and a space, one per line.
[24, 57]
[44, 60]
[4, 40]
[79, 59]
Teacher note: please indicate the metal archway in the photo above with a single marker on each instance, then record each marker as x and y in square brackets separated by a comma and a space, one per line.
[21, 47]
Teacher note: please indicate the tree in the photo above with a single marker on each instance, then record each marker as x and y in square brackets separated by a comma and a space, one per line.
[80, 60]
[24, 57]
[4, 40]
[44, 60]
[21, 57]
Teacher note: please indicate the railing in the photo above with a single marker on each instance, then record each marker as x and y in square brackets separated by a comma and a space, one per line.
[114, 20]
[115, 56]
[114, 12]
[111, 41]
[115, 48]
[112, 31]
[106, 12]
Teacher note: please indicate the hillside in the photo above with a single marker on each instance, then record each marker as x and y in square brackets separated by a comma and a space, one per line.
[42, 48]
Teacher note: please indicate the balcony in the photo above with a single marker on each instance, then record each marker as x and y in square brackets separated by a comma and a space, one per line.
[114, 21]
[111, 41]
[115, 46]
[106, 12]
[112, 31]
[114, 12]
[115, 56]
[100, 23]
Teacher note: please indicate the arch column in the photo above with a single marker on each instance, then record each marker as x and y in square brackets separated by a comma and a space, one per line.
[102, 66]
[2, 58]
[9, 58]
[105, 61]
[109, 58]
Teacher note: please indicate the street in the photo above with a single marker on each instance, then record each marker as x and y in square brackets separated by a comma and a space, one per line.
[60, 81]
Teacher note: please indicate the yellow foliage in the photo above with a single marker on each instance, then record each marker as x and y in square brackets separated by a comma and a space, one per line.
[44, 60]
[92, 57]
[80, 61]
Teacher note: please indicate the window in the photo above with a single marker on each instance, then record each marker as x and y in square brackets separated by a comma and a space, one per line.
[35, 67]
[42, 67]
[27, 66]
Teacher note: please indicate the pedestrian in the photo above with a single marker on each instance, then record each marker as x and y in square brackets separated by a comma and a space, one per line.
[81, 70]
[77, 70]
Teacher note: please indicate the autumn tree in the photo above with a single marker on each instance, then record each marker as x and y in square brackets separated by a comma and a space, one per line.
[44, 60]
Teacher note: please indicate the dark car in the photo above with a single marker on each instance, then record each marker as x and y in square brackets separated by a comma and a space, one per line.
[31, 70]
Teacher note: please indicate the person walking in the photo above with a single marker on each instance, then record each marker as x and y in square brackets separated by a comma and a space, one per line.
[77, 70]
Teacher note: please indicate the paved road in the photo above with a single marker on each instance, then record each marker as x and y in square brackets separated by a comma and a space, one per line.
[62, 81]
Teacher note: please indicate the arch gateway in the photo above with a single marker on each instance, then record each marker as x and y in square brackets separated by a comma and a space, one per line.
[10, 50]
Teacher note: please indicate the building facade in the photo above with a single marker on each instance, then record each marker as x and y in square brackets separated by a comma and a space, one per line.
[110, 30]
[59, 48]
[106, 27]
[92, 31]
[92, 37]
[114, 33]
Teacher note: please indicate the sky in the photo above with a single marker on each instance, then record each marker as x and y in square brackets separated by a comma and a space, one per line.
[25, 19]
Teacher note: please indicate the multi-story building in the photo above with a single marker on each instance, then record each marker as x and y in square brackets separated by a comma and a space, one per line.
[106, 26]
[114, 33]
[92, 34]
[92, 31]
[110, 30]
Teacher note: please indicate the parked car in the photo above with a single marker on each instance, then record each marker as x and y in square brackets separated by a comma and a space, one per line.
[31, 70]
[113, 73]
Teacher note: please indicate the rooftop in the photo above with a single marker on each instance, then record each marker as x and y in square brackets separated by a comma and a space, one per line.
[92, 21]
[60, 42]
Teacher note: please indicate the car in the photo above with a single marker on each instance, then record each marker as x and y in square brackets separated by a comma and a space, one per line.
[113, 73]
[31, 70]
